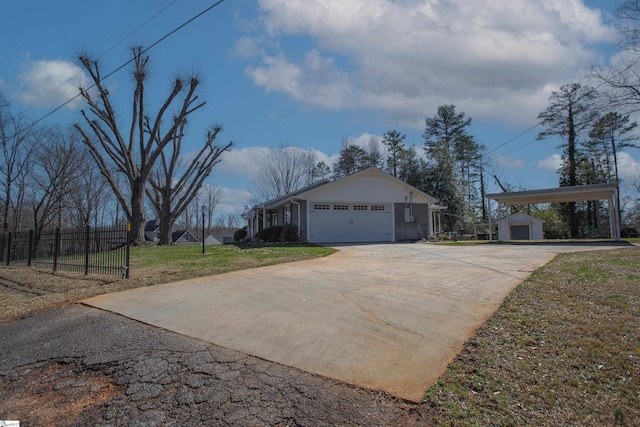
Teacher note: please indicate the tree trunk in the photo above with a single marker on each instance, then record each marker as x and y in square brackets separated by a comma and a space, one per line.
[166, 223]
[138, 216]
[571, 154]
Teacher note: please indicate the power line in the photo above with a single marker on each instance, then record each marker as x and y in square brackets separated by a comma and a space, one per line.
[591, 91]
[119, 42]
[514, 138]
[120, 67]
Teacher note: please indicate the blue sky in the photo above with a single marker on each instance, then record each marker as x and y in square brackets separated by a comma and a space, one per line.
[312, 73]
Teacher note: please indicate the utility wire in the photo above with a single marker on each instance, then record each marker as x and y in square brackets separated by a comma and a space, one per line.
[157, 42]
[119, 42]
[594, 89]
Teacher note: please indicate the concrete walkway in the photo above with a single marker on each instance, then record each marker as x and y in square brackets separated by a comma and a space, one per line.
[389, 317]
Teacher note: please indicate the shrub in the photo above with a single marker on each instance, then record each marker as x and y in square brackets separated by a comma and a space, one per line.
[266, 234]
[240, 234]
[270, 234]
[290, 232]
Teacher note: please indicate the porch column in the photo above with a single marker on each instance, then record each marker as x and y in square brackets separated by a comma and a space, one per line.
[264, 218]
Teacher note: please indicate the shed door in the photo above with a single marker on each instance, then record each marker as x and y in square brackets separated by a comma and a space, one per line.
[520, 232]
[347, 223]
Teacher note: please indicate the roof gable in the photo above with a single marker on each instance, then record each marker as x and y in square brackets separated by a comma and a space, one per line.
[522, 217]
[369, 185]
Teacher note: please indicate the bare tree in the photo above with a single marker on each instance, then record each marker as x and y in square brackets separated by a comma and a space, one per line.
[211, 196]
[87, 195]
[284, 170]
[53, 175]
[133, 154]
[622, 78]
[15, 145]
[232, 221]
[373, 148]
[174, 184]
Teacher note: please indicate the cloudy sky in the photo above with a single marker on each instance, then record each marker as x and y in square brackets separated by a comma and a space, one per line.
[312, 73]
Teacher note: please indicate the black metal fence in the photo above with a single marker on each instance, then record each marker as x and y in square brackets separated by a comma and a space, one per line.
[103, 250]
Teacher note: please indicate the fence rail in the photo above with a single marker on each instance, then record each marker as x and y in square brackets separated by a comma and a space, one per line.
[102, 250]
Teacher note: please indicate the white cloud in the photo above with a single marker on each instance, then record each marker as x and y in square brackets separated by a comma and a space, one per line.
[246, 162]
[551, 163]
[51, 83]
[494, 59]
[509, 162]
[628, 168]
[232, 201]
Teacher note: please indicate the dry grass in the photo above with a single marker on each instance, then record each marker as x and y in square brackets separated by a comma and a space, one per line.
[24, 291]
[564, 349]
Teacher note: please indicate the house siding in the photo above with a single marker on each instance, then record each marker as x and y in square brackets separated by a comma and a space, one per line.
[416, 230]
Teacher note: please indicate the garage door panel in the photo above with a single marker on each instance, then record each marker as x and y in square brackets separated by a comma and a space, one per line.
[331, 225]
[520, 232]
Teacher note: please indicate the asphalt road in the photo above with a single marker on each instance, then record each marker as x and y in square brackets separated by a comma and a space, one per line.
[163, 378]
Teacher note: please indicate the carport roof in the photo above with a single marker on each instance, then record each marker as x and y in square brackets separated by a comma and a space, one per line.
[556, 195]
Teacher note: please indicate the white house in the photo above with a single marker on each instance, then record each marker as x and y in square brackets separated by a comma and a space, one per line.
[368, 206]
[520, 226]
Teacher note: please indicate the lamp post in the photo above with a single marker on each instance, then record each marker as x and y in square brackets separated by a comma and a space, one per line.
[203, 208]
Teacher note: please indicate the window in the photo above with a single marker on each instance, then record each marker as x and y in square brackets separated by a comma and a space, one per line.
[377, 208]
[340, 207]
[360, 207]
[321, 207]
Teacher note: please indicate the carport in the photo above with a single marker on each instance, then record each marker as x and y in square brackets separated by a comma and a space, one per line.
[577, 193]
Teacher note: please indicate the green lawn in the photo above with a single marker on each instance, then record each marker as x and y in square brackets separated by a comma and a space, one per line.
[176, 262]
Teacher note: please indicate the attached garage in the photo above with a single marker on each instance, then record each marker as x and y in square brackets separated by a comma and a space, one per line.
[345, 222]
[368, 206]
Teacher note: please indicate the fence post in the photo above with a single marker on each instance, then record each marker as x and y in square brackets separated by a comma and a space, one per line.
[87, 241]
[56, 249]
[128, 252]
[30, 254]
[9, 248]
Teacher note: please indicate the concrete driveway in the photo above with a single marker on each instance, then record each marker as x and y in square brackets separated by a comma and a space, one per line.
[389, 317]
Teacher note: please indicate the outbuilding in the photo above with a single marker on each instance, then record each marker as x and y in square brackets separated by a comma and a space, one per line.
[368, 206]
[520, 226]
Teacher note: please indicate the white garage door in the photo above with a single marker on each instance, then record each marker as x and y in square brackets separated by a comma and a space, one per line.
[346, 223]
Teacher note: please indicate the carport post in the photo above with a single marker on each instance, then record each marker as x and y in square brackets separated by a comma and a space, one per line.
[489, 209]
[506, 214]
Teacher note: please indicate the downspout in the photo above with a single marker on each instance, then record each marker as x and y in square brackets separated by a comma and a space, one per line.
[299, 225]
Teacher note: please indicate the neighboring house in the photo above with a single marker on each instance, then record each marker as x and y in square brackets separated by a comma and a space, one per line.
[211, 240]
[520, 226]
[219, 239]
[368, 206]
[152, 233]
[183, 236]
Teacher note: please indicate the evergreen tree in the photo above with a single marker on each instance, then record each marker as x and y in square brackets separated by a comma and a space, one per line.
[352, 159]
[446, 139]
[569, 114]
[394, 141]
